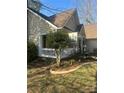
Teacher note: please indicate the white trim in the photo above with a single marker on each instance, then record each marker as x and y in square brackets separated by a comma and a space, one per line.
[39, 46]
[43, 34]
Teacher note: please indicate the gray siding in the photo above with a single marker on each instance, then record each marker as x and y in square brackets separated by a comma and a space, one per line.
[81, 34]
[91, 44]
[73, 22]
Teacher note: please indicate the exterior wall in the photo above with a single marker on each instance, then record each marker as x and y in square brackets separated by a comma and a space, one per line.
[73, 22]
[91, 44]
[81, 40]
[76, 18]
[73, 36]
[37, 26]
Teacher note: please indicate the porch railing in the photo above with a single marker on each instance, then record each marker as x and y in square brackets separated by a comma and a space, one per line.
[48, 52]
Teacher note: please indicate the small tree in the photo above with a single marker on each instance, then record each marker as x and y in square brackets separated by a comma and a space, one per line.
[58, 40]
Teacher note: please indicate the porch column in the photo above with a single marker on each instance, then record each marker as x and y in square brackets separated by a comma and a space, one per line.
[81, 45]
[40, 45]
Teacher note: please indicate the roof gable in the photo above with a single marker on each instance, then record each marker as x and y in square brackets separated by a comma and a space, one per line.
[61, 18]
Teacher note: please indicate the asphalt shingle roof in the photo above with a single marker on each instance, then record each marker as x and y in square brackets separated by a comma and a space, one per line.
[60, 19]
[90, 31]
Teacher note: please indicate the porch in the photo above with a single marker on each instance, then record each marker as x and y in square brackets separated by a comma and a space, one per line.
[44, 51]
[50, 53]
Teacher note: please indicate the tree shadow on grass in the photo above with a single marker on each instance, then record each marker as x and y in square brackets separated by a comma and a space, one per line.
[40, 62]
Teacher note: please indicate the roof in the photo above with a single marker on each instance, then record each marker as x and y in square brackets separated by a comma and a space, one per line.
[79, 27]
[90, 31]
[44, 17]
[61, 18]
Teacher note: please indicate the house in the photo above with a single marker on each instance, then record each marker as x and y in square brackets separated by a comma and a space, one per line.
[40, 25]
[90, 34]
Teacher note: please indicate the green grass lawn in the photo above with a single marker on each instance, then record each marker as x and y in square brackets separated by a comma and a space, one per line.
[82, 80]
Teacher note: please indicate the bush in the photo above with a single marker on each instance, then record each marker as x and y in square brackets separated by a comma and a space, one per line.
[58, 40]
[32, 52]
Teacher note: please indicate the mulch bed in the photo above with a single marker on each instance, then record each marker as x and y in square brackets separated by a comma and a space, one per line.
[79, 58]
[41, 64]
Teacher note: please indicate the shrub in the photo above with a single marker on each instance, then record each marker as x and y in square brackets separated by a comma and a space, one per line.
[58, 40]
[32, 52]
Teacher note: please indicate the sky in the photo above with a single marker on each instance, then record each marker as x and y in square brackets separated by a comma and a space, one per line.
[67, 4]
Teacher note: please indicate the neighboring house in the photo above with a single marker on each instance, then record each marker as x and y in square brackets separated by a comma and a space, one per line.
[90, 32]
[40, 25]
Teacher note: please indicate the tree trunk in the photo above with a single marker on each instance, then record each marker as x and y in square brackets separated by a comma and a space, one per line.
[58, 57]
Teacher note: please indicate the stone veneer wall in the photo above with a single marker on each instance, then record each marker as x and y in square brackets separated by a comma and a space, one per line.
[37, 26]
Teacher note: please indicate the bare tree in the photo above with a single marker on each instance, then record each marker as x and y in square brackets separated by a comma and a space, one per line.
[85, 8]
